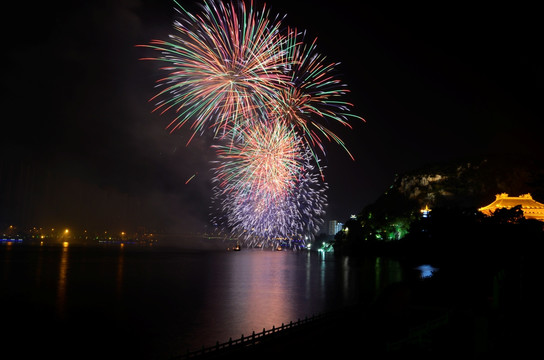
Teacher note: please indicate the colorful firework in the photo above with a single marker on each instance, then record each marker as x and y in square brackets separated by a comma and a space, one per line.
[313, 97]
[265, 159]
[263, 218]
[268, 98]
[222, 66]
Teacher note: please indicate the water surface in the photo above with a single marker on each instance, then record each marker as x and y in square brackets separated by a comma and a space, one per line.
[157, 303]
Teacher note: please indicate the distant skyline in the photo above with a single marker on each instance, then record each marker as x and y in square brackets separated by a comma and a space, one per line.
[82, 146]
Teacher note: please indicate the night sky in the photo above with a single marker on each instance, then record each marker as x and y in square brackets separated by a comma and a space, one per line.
[81, 148]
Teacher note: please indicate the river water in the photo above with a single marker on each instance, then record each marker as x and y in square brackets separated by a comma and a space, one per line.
[156, 303]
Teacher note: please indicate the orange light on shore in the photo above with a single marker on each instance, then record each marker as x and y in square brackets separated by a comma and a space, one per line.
[65, 244]
[425, 212]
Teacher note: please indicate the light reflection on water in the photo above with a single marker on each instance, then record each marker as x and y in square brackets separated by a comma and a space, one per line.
[426, 271]
[61, 285]
[119, 275]
[159, 303]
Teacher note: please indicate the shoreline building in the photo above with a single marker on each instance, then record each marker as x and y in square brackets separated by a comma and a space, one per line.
[531, 209]
[334, 227]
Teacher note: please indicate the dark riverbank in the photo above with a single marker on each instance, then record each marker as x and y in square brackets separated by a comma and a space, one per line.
[430, 319]
[391, 328]
[480, 303]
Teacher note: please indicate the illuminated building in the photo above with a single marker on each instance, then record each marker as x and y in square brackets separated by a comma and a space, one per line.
[531, 209]
[334, 227]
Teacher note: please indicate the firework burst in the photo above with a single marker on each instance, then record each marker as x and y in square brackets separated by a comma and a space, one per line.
[265, 159]
[263, 217]
[222, 66]
[268, 98]
[313, 97]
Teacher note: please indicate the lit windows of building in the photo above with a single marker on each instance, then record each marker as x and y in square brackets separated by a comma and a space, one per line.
[334, 227]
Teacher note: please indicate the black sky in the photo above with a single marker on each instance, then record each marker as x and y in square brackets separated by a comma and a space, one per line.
[81, 148]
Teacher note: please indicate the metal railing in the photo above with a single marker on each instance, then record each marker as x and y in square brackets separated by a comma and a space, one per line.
[246, 341]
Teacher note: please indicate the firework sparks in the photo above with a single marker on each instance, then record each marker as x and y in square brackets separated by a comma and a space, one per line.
[190, 178]
[314, 95]
[268, 99]
[222, 66]
[263, 218]
[266, 159]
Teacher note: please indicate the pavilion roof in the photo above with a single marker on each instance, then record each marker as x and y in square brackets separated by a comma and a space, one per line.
[530, 207]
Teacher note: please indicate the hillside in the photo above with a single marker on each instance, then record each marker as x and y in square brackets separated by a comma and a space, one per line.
[463, 185]
[472, 182]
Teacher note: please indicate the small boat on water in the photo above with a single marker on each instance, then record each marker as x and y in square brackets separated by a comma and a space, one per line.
[236, 247]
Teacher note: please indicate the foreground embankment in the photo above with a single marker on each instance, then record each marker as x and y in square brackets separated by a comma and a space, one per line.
[481, 303]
